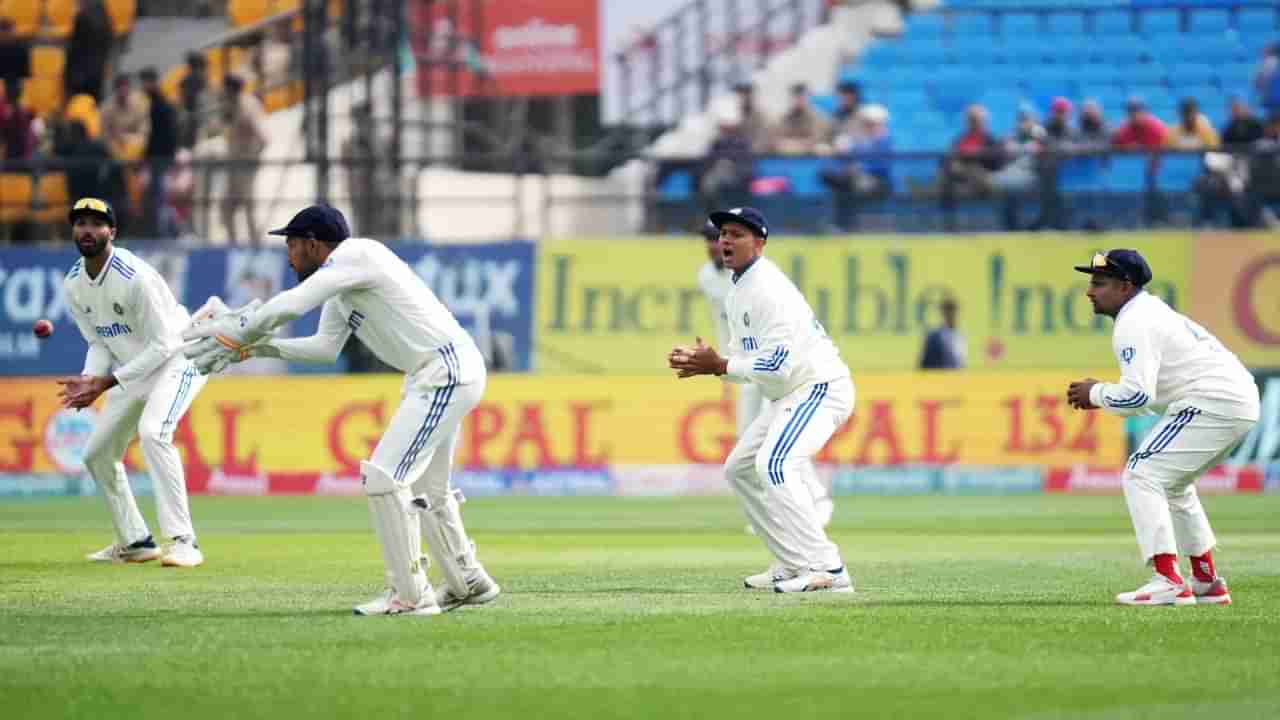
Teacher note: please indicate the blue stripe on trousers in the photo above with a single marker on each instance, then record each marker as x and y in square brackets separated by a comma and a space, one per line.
[792, 432]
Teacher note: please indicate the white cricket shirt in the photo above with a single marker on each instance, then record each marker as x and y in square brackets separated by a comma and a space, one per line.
[368, 290]
[1166, 358]
[775, 340]
[716, 284]
[128, 316]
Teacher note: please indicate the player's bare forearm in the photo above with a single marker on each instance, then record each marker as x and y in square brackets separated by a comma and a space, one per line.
[1078, 394]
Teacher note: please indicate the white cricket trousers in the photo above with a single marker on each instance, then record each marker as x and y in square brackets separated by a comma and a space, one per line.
[1159, 479]
[771, 471]
[150, 410]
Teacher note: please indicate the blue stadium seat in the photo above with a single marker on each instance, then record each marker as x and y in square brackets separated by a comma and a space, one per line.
[1127, 173]
[1177, 172]
[1144, 75]
[1192, 74]
[801, 172]
[1081, 174]
[676, 186]
[1113, 22]
[922, 25]
[982, 56]
[1256, 20]
[1160, 22]
[1122, 54]
[1065, 23]
[1020, 25]
[971, 24]
[1206, 21]
[917, 170]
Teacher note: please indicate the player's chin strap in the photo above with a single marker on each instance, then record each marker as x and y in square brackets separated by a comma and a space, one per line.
[447, 540]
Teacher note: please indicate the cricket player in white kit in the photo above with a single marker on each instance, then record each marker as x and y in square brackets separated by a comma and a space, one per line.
[776, 343]
[133, 325]
[1172, 366]
[716, 281]
[369, 291]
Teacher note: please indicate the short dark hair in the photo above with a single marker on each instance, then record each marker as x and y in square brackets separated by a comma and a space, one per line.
[849, 86]
[148, 74]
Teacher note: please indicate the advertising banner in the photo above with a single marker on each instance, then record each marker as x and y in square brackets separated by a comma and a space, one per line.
[489, 287]
[511, 48]
[573, 434]
[618, 306]
[1235, 293]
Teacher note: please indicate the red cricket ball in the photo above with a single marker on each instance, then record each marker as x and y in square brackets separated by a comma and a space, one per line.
[42, 328]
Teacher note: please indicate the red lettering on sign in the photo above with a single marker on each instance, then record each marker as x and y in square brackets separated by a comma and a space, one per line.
[689, 432]
[1242, 302]
[881, 429]
[347, 462]
[232, 463]
[532, 430]
[582, 456]
[483, 424]
[932, 410]
[24, 449]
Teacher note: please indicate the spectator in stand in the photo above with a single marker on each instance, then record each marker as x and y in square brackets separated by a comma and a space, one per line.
[195, 101]
[1019, 175]
[1092, 132]
[91, 171]
[966, 171]
[1243, 129]
[1057, 128]
[162, 146]
[17, 131]
[246, 124]
[88, 50]
[1142, 130]
[727, 169]
[1264, 175]
[1266, 80]
[276, 53]
[126, 119]
[180, 186]
[866, 170]
[844, 118]
[1059, 142]
[368, 174]
[752, 122]
[1193, 130]
[802, 129]
[15, 57]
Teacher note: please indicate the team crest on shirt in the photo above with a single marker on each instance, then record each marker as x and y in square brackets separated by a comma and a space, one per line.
[746, 319]
[1126, 354]
[116, 306]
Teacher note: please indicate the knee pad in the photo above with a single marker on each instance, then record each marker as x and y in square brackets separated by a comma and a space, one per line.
[377, 481]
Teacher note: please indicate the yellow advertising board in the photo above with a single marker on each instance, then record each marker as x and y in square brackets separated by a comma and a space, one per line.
[283, 427]
[1235, 293]
[617, 306]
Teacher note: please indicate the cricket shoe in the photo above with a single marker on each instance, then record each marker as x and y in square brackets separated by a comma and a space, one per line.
[1210, 593]
[1160, 590]
[389, 603]
[837, 580]
[142, 551]
[767, 579]
[184, 552]
[481, 589]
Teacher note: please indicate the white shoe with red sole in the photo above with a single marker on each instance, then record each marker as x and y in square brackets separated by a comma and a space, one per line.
[1210, 593]
[1160, 590]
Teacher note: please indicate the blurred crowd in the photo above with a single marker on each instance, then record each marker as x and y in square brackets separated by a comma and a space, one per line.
[131, 138]
[1240, 175]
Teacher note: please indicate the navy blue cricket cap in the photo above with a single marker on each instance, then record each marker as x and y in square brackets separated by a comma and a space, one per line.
[93, 206]
[709, 230]
[1124, 264]
[321, 222]
[750, 217]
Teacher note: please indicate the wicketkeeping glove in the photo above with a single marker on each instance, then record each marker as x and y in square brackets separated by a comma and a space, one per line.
[219, 336]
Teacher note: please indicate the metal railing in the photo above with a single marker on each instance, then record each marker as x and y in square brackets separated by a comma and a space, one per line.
[676, 66]
[205, 202]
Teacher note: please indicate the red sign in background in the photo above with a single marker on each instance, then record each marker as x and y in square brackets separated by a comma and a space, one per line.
[506, 47]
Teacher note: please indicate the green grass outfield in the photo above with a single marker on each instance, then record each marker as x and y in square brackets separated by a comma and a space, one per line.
[966, 607]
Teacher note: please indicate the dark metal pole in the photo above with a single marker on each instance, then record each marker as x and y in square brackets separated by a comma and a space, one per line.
[704, 55]
[399, 21]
